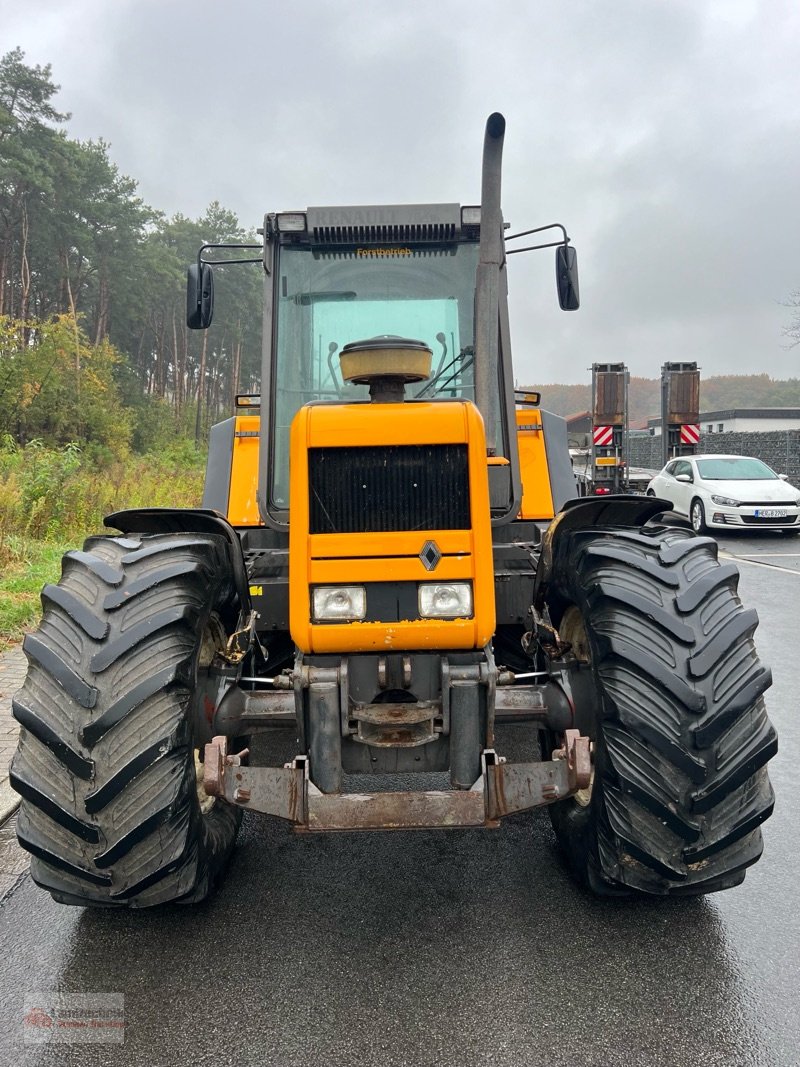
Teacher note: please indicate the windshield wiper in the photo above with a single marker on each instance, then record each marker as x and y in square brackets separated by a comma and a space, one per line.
[466, 357]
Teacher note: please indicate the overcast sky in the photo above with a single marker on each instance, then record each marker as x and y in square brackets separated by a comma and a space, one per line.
[665, 135]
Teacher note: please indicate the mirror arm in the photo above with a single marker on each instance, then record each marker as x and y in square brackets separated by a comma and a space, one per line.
[229, 262]
[532, 248]
[226, 262]
[541, 229]
[538, 229]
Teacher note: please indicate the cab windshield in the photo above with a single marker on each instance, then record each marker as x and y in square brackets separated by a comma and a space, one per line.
[328, 299]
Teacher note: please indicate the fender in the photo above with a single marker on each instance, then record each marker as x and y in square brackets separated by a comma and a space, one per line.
[584, 513]
[187, 520]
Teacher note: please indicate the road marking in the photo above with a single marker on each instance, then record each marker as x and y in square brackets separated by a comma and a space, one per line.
[772, 555]
[758, 563]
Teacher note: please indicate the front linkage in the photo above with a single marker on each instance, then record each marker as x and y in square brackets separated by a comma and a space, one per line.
[501, 789]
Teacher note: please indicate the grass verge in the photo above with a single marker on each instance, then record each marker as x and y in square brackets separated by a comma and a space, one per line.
[51, 499]
[25, 566]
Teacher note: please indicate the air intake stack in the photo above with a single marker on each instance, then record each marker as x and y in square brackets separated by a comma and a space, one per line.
[386, 364]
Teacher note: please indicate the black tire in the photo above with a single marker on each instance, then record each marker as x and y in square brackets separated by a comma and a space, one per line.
[697, 516]
[671, 695]
[111, 812]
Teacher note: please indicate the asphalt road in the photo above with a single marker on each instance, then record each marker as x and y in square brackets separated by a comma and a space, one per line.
[461, 948]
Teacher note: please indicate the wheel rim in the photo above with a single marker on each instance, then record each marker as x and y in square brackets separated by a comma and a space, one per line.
[212, 641]
[573, 630]
[697, 517]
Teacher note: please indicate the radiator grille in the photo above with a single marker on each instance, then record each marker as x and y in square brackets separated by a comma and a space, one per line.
[387, 488]
[765, 503]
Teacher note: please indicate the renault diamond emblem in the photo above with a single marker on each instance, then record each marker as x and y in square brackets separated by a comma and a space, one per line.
[430, 555]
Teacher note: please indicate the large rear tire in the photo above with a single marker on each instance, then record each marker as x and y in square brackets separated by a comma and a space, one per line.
[672, 699]
[107, 767]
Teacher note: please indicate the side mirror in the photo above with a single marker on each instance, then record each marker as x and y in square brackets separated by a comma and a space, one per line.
[199, 296]
[567, 278]
[685, 478]
[784, 477]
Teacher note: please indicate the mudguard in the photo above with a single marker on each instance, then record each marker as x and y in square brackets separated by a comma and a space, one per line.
[585, 512]
[186, 520]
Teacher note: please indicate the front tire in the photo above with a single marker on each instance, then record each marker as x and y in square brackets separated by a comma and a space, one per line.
[697, 517]
[669, 688]
[107, 766]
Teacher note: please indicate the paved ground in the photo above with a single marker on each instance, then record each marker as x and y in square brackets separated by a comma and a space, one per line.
[13, 862]
[12, 674]
[783, 554]
[438, 949]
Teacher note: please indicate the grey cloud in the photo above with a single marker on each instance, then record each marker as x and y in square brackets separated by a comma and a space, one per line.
[665, 135]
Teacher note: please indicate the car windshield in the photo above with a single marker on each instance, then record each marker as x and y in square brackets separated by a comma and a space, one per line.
[328, 299]
[734, 469]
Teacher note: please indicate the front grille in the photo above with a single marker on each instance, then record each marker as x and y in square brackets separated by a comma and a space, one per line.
[388, 488]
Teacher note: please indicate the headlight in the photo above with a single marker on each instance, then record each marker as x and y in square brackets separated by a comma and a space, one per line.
[445, 601]
[339, 603]
[726, 501]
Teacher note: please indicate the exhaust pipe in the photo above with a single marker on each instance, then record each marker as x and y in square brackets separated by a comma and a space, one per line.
[487, 282]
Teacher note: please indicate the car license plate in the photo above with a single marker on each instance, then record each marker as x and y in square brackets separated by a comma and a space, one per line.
[771, 513]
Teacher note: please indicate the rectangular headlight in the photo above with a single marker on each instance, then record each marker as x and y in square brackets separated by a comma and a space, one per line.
[338, 603]
[445, 600]
[291, 222]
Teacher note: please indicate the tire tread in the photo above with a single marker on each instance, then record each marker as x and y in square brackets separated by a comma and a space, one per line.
[683, 783]
[104, 765]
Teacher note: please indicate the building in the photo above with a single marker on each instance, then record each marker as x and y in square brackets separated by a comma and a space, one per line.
[741, 420]
[579, 423]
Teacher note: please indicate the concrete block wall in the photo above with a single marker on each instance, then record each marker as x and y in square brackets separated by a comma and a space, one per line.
[780, 449]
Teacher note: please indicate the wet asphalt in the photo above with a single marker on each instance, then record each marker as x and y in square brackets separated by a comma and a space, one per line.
[462, 948]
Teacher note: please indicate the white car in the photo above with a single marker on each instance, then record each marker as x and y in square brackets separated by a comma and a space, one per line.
[732, 492]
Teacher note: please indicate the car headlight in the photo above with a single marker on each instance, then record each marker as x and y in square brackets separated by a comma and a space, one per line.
[451, 600]
[338, 603]
[726, 501]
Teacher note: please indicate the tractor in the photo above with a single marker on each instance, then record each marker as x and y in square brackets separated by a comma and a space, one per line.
[390, 565]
